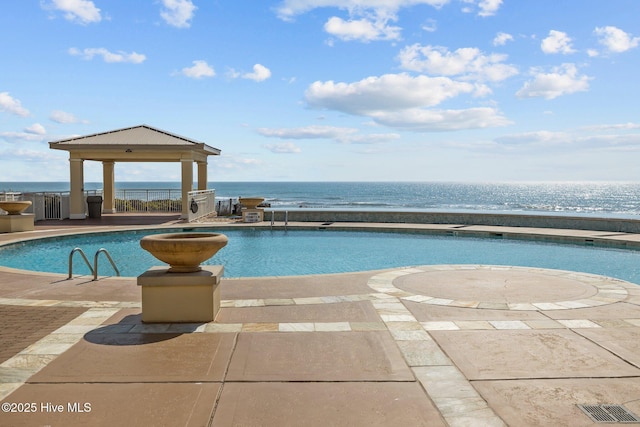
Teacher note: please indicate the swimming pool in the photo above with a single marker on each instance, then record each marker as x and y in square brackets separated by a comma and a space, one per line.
[262, 252]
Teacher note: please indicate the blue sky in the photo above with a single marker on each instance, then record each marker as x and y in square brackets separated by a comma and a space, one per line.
[317, 90]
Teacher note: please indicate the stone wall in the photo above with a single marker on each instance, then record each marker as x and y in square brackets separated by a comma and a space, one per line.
[461, 218]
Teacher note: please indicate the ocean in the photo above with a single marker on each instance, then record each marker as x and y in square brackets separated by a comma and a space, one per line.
[603, 199]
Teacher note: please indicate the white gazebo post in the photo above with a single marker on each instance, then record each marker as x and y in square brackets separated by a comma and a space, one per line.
[108, 183]
[76, 199]
[187, 185]
[202, 175]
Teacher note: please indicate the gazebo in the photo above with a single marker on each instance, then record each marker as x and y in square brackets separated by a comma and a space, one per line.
[134, 144]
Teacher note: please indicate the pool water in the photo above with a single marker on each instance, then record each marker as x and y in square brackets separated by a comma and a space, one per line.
[258, 252]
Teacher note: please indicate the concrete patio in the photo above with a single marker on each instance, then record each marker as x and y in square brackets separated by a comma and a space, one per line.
[417, 346]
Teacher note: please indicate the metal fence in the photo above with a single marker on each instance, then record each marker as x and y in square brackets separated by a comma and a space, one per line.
[227, 206]
[56, 205]
[148, 200]
[49, 205]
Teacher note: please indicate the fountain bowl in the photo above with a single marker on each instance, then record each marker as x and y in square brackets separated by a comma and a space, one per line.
[184, 252]
[251, 202]
[15, 207]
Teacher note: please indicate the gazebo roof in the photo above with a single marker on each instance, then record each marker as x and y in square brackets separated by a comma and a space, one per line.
[137, 144]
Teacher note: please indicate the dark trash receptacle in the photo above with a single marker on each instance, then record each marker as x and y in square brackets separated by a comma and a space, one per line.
[94, 203]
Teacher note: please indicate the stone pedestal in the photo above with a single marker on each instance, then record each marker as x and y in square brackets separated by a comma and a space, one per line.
[252, 215]
[180, 297]
[19, 222]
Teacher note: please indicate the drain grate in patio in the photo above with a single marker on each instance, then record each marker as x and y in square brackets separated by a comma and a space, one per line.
[609, 413]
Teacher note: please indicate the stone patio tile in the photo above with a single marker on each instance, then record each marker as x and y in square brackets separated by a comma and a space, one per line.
[141, 358]
[444, 382]
[440, 326]
[403, 335]
[368, 326]
[259, 327]
[578, 323]
[326, 404]
[613, 323]
[620, 310]
[624, 342]
[332, 327]
[296, 287]
[509, 324]
[427, 313]
[423, 353]
[137, 404]
[321, 356]
[296, 327]
[539, 353]
[338, 312]
[404, 326]
[473, 324]
[553, 402]
[544, 324]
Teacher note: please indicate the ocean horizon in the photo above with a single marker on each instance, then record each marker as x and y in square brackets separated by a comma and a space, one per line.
[604, 199]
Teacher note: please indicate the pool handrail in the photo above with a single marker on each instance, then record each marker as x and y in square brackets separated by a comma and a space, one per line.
[84, 257]
[95, 263]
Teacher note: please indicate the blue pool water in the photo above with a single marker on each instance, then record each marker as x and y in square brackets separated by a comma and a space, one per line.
[256, 252]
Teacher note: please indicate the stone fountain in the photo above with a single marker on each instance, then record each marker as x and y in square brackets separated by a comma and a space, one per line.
[185, 291]
[250, 210]
[16, 220]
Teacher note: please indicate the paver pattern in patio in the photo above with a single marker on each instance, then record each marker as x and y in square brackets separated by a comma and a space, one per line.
[418, 346]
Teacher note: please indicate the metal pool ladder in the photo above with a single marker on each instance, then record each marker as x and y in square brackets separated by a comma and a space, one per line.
[94, 269]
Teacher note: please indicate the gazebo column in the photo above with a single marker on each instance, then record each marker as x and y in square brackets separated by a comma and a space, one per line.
[76, 198]
[202, 175]
[108, 183]
[187, 185]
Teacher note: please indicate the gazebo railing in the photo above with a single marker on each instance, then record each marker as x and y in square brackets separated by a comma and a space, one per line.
[201, 203]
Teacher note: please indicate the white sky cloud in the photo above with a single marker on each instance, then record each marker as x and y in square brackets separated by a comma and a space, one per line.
[615, 40]
[178, 13]
[617, 126]
[572, 139]
[22, 136]
[199, 70]
[468, 62]
[371, 138]
[63, 117]
[259, 74]
[338, 134]
[562, 80]
[538, 137]
[368, 19]
[430, 25]
[502, 38]
[363, 30]
[422, 120]
[283, 148]
[489, 7]
[12, 105]
[307, 132]
[557, 42]
[78, 11]
[385, 93]
[107, 56]
[400, 101]
[290, 8]
[486, 7]
[36, 129]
